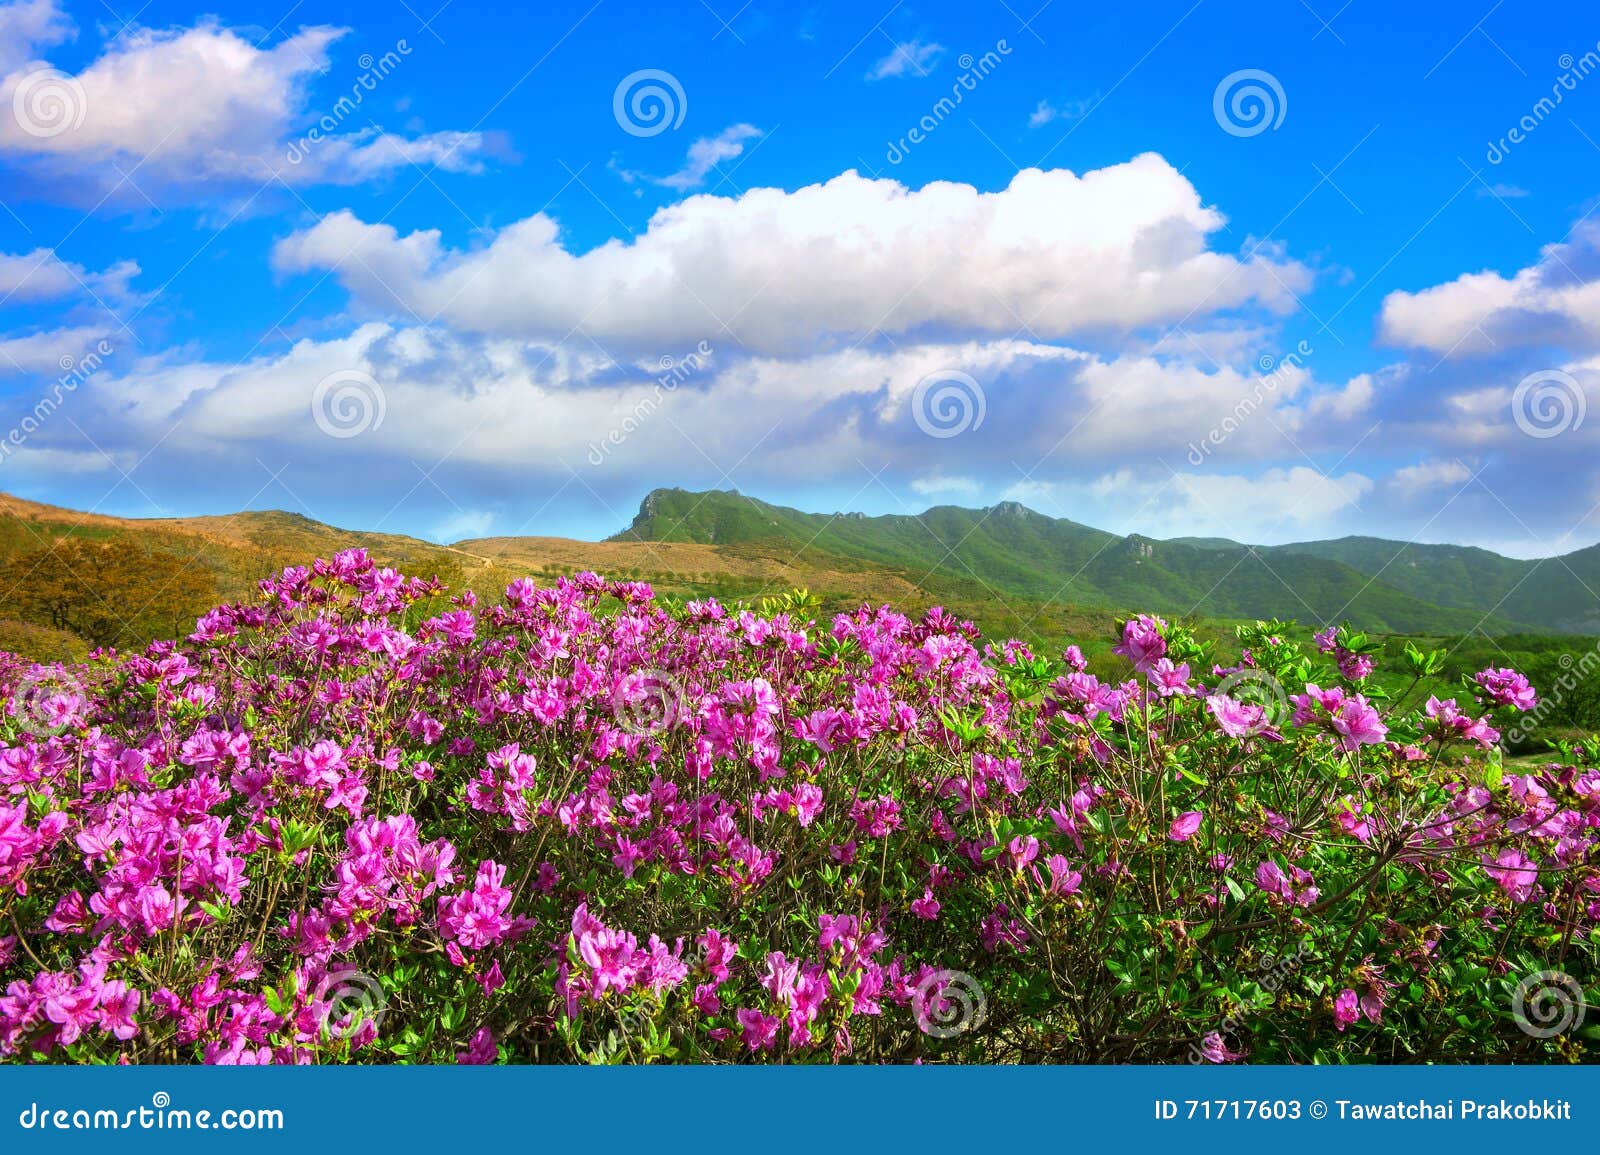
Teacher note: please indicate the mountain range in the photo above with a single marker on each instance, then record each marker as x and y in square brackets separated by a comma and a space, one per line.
[1013, 570]
[1012, 551]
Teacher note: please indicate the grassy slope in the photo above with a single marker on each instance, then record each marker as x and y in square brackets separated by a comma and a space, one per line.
[1558, 593]
[236, 550]
[1014, 571]
[1010, 551]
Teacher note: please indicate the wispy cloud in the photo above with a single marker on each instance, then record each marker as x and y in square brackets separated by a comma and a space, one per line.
[939, 483]
[41, 275]
[707, 153]
[1045, 112]
[463, 525]
[1412, 480]
[28, 26]
[914, 57]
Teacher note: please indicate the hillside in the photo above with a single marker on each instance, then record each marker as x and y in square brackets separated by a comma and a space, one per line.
[219, 542]
[1010, 550]
[70, 580]
[1561, 594]
[164, 572]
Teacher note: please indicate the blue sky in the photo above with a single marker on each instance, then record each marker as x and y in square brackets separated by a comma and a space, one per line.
[495, 295]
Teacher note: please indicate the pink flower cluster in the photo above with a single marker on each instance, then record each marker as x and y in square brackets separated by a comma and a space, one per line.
[545, 821]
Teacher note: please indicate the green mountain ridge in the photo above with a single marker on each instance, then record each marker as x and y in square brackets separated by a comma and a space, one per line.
[1009, 549]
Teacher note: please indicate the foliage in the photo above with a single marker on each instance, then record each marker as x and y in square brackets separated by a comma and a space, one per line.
[348, 821]
[107, 593]
[40, 643]
[1008, 551]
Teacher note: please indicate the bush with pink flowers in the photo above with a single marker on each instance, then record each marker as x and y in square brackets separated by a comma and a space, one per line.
[357, 820]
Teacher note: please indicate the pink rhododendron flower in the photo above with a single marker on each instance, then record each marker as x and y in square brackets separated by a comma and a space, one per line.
[1142, 643]
[477, 919]
[1348, 814]
[1346, 1009]
[1506, 687]
[355, 817]
[1514, 872]
[1237, 719]
[1214, 1050]
[1354, 667]
[760, 1031]
[1167, 679]
[1063, 879]
[481, 1051]
[1184, 826]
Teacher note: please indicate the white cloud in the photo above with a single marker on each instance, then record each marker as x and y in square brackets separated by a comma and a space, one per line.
[1269, 507]
[1560, 403]
[1112, 250]
[41, 275]
[939, 484]
[52, 463]
[913, 58]
[464, 524]
[707, 153]
[48, 353]
[1344, 404]
[1554, 301]
[1045, 112]
[502, 404]
[1135, 406]
[507, 412]
[195, 105]
[505, 423]
[1225, 343]
[1503, 191]
[1425, 476]
[1269, 503]
[26, 27]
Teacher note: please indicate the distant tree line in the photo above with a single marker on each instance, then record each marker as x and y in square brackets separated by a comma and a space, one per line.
[107, 593]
